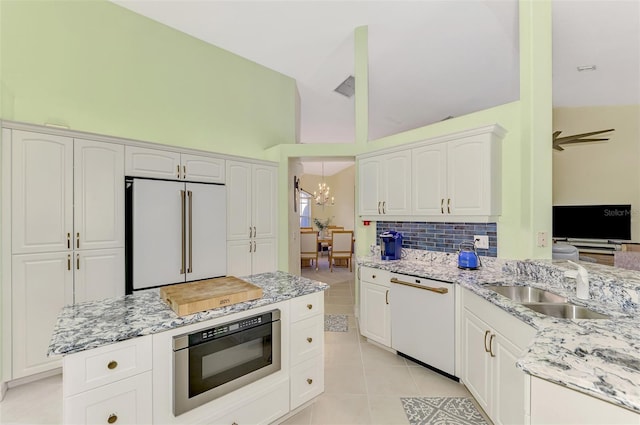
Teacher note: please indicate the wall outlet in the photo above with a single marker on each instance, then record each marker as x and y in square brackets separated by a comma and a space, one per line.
[482, 241]
[543, 239]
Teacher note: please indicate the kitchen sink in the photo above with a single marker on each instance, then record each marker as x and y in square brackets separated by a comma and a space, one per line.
[527, 294]
[565, 311]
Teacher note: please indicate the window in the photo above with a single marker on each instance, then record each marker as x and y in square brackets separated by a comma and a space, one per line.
[305, 209]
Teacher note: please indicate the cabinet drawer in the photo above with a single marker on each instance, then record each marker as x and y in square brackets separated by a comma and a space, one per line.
[381, 277]
[307, 381]
[123, 402]
[263, 410]
[93, 368]
[307, 306]
[306, 339]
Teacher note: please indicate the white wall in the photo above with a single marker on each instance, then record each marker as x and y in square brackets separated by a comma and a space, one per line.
[600, 172]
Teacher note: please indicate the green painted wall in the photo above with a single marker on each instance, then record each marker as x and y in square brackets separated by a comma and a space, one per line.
[526, 149]
[94, 66]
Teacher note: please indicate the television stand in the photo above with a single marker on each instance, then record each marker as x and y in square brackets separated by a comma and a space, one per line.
[600, 250]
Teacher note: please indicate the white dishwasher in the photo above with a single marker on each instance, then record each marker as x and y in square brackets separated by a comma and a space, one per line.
[423, 321]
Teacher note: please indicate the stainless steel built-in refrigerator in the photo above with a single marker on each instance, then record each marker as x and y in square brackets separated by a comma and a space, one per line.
[176, 232]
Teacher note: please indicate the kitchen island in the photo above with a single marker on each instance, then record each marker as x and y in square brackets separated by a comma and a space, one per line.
[119, 360]
[595, 357]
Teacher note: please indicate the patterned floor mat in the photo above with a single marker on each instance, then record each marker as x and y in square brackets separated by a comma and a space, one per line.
[336, 323]
[441, 411]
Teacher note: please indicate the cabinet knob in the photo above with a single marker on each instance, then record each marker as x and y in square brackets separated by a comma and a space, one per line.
[373, 276]
[112, 365]
[112, 418]
[309, 306]
[309, 340]
[234, 423]
[309, 381]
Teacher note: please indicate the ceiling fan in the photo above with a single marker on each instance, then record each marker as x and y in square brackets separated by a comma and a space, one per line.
[576, 138]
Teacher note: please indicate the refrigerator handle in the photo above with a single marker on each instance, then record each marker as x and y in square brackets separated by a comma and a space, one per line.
[183, 207]
[190, 197]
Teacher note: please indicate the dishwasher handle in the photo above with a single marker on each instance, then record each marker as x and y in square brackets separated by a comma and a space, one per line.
[440, 290]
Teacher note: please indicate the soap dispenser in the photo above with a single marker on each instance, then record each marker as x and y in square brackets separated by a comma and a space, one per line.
[582, 282]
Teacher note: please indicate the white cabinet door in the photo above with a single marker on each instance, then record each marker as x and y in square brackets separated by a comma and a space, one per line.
[42, 192]
[207, 250]
[397, 183]
[145, 162]
[509, 383]
[469, 172]
[370, 193]
[476, 362]
[41, 285]
[239, 187]
[99, 274]
[263, 258]
[264, 200]
[128, 401]
[375, 314]
[202, 168]
[239, 256]
[429, 179]
[99, 195]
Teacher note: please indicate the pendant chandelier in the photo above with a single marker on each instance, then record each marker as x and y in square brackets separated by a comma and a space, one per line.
[321, 196]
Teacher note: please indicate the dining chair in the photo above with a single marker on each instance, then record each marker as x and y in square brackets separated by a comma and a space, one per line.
[327, 235]
[340, 247]
[309, 247]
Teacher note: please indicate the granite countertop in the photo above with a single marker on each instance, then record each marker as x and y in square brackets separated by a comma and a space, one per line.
[96, 323]
[597, 357]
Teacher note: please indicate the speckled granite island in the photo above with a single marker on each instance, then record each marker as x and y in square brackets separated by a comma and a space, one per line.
[119, 360]
[600, 358]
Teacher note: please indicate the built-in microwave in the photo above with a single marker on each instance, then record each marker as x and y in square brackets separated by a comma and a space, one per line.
[214, 361]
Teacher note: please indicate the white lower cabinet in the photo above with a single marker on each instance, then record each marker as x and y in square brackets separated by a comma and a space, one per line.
[99, 274]
[110, 384]
[124, 402]
[251, 256]
[43, 284]
[554, 404]
[492, 341]
[307, 348]
[264, 409]
[375, 311]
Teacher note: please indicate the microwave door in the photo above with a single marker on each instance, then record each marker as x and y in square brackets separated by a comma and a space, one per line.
[158, 245]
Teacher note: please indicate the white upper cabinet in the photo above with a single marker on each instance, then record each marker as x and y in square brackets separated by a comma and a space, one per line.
[385, 184]
[203, 168]
[99, 195]
[456, 177]
[42, 192]
[251, 195]
[251, 218]
[473, 176]
[66, 193]
[156, 163]
[429, 179]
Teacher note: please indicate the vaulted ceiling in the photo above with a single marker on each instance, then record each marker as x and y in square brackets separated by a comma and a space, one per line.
[428, 60]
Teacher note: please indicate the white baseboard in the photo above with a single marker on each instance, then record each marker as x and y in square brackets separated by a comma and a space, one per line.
[3, 390]
[33, 378]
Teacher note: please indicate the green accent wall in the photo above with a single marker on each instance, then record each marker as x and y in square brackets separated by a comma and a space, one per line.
[94, 66]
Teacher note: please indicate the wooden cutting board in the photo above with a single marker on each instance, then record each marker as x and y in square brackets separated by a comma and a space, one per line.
[192, 297]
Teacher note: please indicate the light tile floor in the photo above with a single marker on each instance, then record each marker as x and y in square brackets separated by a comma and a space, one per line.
[363, 382]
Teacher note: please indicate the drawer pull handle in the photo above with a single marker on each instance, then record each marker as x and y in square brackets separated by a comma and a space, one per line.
[486, 333]
[309, 381]
[309, 306]
[112, 418]
[440, 290]
[112, 364]
[309, 340]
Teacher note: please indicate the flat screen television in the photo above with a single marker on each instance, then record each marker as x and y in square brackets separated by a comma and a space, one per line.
[592, 221]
